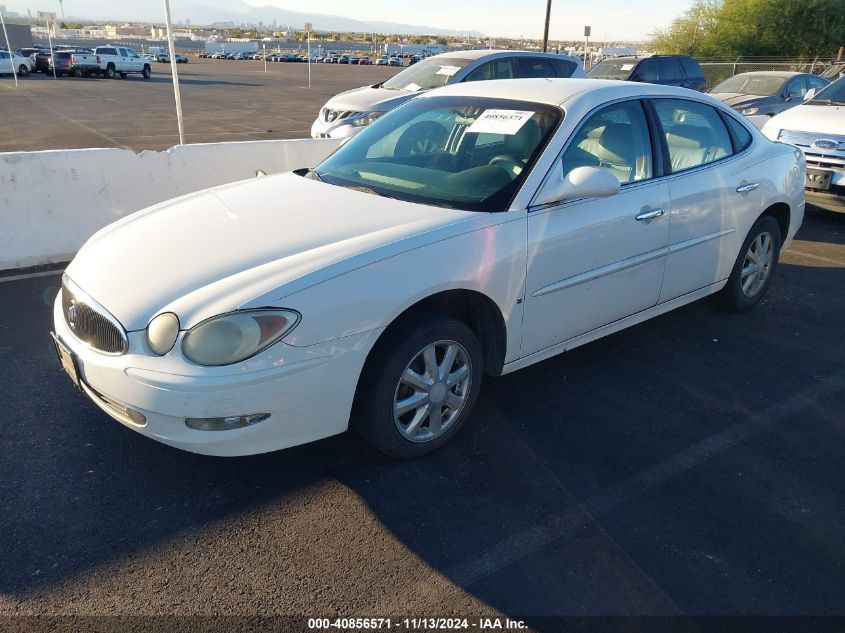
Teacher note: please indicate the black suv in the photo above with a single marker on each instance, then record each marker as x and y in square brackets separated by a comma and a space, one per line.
[667, 70]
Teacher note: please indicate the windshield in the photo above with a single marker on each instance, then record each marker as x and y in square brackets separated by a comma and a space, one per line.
[759, 85]
[457, 152]
[612, 69]
[834, 94]
[428, 74]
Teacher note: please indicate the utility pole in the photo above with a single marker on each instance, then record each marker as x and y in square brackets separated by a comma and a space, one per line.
[546, 30]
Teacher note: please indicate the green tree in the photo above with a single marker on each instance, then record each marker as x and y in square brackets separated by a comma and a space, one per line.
[733, 28]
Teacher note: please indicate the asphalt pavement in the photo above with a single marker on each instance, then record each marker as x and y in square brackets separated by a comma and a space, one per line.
[688, 465]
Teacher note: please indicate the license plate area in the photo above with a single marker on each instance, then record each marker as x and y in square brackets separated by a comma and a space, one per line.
[67, 360]
[818, 179]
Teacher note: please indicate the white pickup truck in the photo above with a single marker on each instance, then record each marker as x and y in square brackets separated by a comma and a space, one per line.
[111, 61]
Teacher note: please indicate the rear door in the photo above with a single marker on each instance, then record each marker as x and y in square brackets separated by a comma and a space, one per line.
[713, 191]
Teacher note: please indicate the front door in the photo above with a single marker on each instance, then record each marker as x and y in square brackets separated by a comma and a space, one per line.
[594, 261]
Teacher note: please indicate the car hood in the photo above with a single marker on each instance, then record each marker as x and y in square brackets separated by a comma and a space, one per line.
[736, 100]
[817, 119]
[369, 99]
[211, 252]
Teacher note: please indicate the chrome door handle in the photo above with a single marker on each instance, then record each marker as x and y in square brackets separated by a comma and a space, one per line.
[650, 214]
[751, 186]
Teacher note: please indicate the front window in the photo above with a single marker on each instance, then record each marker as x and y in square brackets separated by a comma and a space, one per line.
[759, 85]
[428, 74]
[457, 152]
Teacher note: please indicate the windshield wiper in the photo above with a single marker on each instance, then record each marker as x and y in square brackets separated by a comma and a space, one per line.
[313, 175]
[826, 102]
[364, 189]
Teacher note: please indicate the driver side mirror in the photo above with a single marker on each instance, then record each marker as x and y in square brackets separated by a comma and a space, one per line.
[581, 182]
[810, 94]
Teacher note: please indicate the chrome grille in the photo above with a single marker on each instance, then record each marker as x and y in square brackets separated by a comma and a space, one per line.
[90, 323]
[821, 150]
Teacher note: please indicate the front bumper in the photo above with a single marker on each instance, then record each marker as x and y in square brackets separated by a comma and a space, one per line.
[336, 129]
[307, 391]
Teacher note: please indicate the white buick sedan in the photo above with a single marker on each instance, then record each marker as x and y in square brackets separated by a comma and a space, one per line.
[377, 289]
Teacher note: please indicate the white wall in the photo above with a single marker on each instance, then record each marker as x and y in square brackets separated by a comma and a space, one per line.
[51, 202]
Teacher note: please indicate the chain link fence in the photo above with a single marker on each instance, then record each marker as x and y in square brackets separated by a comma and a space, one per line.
[717, 70]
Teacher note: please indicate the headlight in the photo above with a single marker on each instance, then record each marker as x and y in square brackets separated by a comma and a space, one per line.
[749, 111]
[365, 118]
[162, 332]
[231, 338]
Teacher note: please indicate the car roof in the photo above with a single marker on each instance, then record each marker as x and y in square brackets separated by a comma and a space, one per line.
[480, 53]
[556, 91]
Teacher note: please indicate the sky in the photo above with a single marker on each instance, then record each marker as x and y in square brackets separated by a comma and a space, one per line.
[615, 19]
[611, 20]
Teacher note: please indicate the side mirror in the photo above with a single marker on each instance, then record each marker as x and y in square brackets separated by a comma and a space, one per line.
[581, 182]
[810, 94]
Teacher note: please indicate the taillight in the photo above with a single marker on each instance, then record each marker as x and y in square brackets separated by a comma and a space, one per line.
[98, 59]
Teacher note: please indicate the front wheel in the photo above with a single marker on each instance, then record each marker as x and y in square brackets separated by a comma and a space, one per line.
[23, 71]
[419, 386]
[754, 267]
[146, 72]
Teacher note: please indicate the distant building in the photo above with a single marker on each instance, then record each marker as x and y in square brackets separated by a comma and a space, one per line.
[20, 36]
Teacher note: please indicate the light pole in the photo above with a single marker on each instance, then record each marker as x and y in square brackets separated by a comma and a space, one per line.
[172, 50]
[546, 30]
[9, 48]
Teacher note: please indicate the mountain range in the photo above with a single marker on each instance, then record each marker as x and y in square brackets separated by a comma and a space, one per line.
[201, 12]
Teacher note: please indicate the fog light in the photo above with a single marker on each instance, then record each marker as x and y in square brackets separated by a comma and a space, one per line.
[225, 424]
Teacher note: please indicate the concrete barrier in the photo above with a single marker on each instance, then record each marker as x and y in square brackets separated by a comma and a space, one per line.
[51, 202]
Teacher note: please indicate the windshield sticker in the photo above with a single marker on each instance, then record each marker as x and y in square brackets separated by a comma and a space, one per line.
[500, 121]
[448, 70]
[627, 66]
[412, 87]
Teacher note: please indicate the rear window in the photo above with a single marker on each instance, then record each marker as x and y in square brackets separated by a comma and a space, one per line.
[691, 67]
[613, 69]
[535, 67]
[564, 67]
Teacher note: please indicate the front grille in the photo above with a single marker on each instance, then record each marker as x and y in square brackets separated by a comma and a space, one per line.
[831, 156]
[91, 324]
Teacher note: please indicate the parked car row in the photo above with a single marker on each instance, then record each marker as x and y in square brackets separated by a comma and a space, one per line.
[106, 61]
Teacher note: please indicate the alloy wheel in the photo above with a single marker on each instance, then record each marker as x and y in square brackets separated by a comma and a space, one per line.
[757, 264]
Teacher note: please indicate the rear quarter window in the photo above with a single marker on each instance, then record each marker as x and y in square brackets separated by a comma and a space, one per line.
[646, 70]
[564, 67]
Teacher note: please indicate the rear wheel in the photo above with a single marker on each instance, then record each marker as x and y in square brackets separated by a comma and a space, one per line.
[123, 75]
[78, 72]
[23, 71]
[110, 74]
[754, 267]
[419, 385]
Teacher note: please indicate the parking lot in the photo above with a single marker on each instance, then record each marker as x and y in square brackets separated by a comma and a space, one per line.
[689, 465]
[222, 100]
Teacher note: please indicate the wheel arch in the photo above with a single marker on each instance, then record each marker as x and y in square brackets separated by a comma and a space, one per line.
[474, 308]
[782, 214]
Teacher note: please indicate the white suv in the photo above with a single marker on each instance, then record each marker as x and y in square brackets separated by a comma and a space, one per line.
[346, 114]
[817, 127]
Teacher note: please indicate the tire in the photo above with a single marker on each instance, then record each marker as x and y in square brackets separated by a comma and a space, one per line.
[123, 75]
[78, 72]
[147, 71]
[109, 73]
[760, 251]
[23, 71]
[384, 384]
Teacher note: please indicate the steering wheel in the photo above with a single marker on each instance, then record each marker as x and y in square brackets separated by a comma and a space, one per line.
[508, 163]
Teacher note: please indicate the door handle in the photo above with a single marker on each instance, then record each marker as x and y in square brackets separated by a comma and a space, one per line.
[650, 214]
[751, 186]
